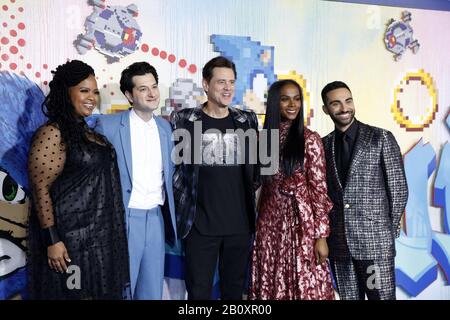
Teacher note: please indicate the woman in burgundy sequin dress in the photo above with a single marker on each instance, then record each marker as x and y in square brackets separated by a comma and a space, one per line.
[289, 259]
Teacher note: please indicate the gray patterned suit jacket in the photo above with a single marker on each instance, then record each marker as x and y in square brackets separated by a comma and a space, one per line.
[365, 219]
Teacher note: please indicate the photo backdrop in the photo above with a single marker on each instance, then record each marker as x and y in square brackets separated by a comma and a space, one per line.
[395, 59]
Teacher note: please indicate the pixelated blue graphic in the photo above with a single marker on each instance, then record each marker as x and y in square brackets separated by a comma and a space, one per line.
[20, 116]
[441, 242]
[399, 36]
[14, 284]
[415, 267]
[420, 163]
[421, 250]
[174, 261]
[112, 30]
[250, 57]
[174, 268]
[174, 272]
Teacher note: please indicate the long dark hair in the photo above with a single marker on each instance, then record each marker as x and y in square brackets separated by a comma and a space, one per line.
[293, 150]
[57, 105]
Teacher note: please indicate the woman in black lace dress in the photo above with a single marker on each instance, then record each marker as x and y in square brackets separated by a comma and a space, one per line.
[77, 241]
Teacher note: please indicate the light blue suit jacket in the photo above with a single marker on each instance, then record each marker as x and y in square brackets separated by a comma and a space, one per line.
[116, 128]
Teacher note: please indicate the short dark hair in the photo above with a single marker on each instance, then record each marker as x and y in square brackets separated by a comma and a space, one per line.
[217, 62]
[330, 87]
[135, 69]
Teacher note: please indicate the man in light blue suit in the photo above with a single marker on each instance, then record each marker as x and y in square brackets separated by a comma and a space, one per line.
[143, 145]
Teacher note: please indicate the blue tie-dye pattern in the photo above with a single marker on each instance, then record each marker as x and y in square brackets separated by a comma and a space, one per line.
[14, 284]
[20, 116]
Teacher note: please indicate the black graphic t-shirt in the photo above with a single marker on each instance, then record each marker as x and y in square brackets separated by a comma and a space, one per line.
[221, 207]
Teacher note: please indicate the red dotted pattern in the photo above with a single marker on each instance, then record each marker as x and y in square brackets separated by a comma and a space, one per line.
[170, 57]
[109, 78]
[192, 68]
[15, 45]
[12, 43]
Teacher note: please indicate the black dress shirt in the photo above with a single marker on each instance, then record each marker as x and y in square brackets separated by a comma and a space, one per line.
[344, 145]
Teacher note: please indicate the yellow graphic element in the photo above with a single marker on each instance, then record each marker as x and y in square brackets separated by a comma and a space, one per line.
[252, 102]
[117, 108]
[261, 118]
[292, 75]
[430, 111]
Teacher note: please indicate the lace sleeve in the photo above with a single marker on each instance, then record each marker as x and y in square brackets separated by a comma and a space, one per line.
[45, 163]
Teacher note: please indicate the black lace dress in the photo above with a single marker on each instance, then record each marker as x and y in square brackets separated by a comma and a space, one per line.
[78, 191]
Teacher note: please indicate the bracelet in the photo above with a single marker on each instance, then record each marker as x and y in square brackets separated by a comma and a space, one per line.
[50, 236]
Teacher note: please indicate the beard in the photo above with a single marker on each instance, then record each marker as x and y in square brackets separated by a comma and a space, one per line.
[343, 122]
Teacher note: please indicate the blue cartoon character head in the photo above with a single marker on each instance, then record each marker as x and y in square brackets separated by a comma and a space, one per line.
[13, 229]
[20, 116]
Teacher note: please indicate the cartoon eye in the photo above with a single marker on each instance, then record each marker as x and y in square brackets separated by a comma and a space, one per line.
[10, 191]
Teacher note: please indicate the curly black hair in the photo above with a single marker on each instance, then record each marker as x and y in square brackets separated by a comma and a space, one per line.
[57, 105]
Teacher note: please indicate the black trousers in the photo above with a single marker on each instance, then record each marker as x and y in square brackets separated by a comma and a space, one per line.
[356, 279]
[202, 253]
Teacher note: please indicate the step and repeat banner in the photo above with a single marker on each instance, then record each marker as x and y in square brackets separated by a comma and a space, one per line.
[394, 55]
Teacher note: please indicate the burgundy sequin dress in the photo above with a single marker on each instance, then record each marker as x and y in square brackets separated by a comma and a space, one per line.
[293, 212]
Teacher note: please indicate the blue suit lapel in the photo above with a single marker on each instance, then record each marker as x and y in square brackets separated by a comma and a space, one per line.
[163, 140]
[125, 138]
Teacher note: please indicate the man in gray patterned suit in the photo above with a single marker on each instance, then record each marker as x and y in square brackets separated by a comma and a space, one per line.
[367, 184]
